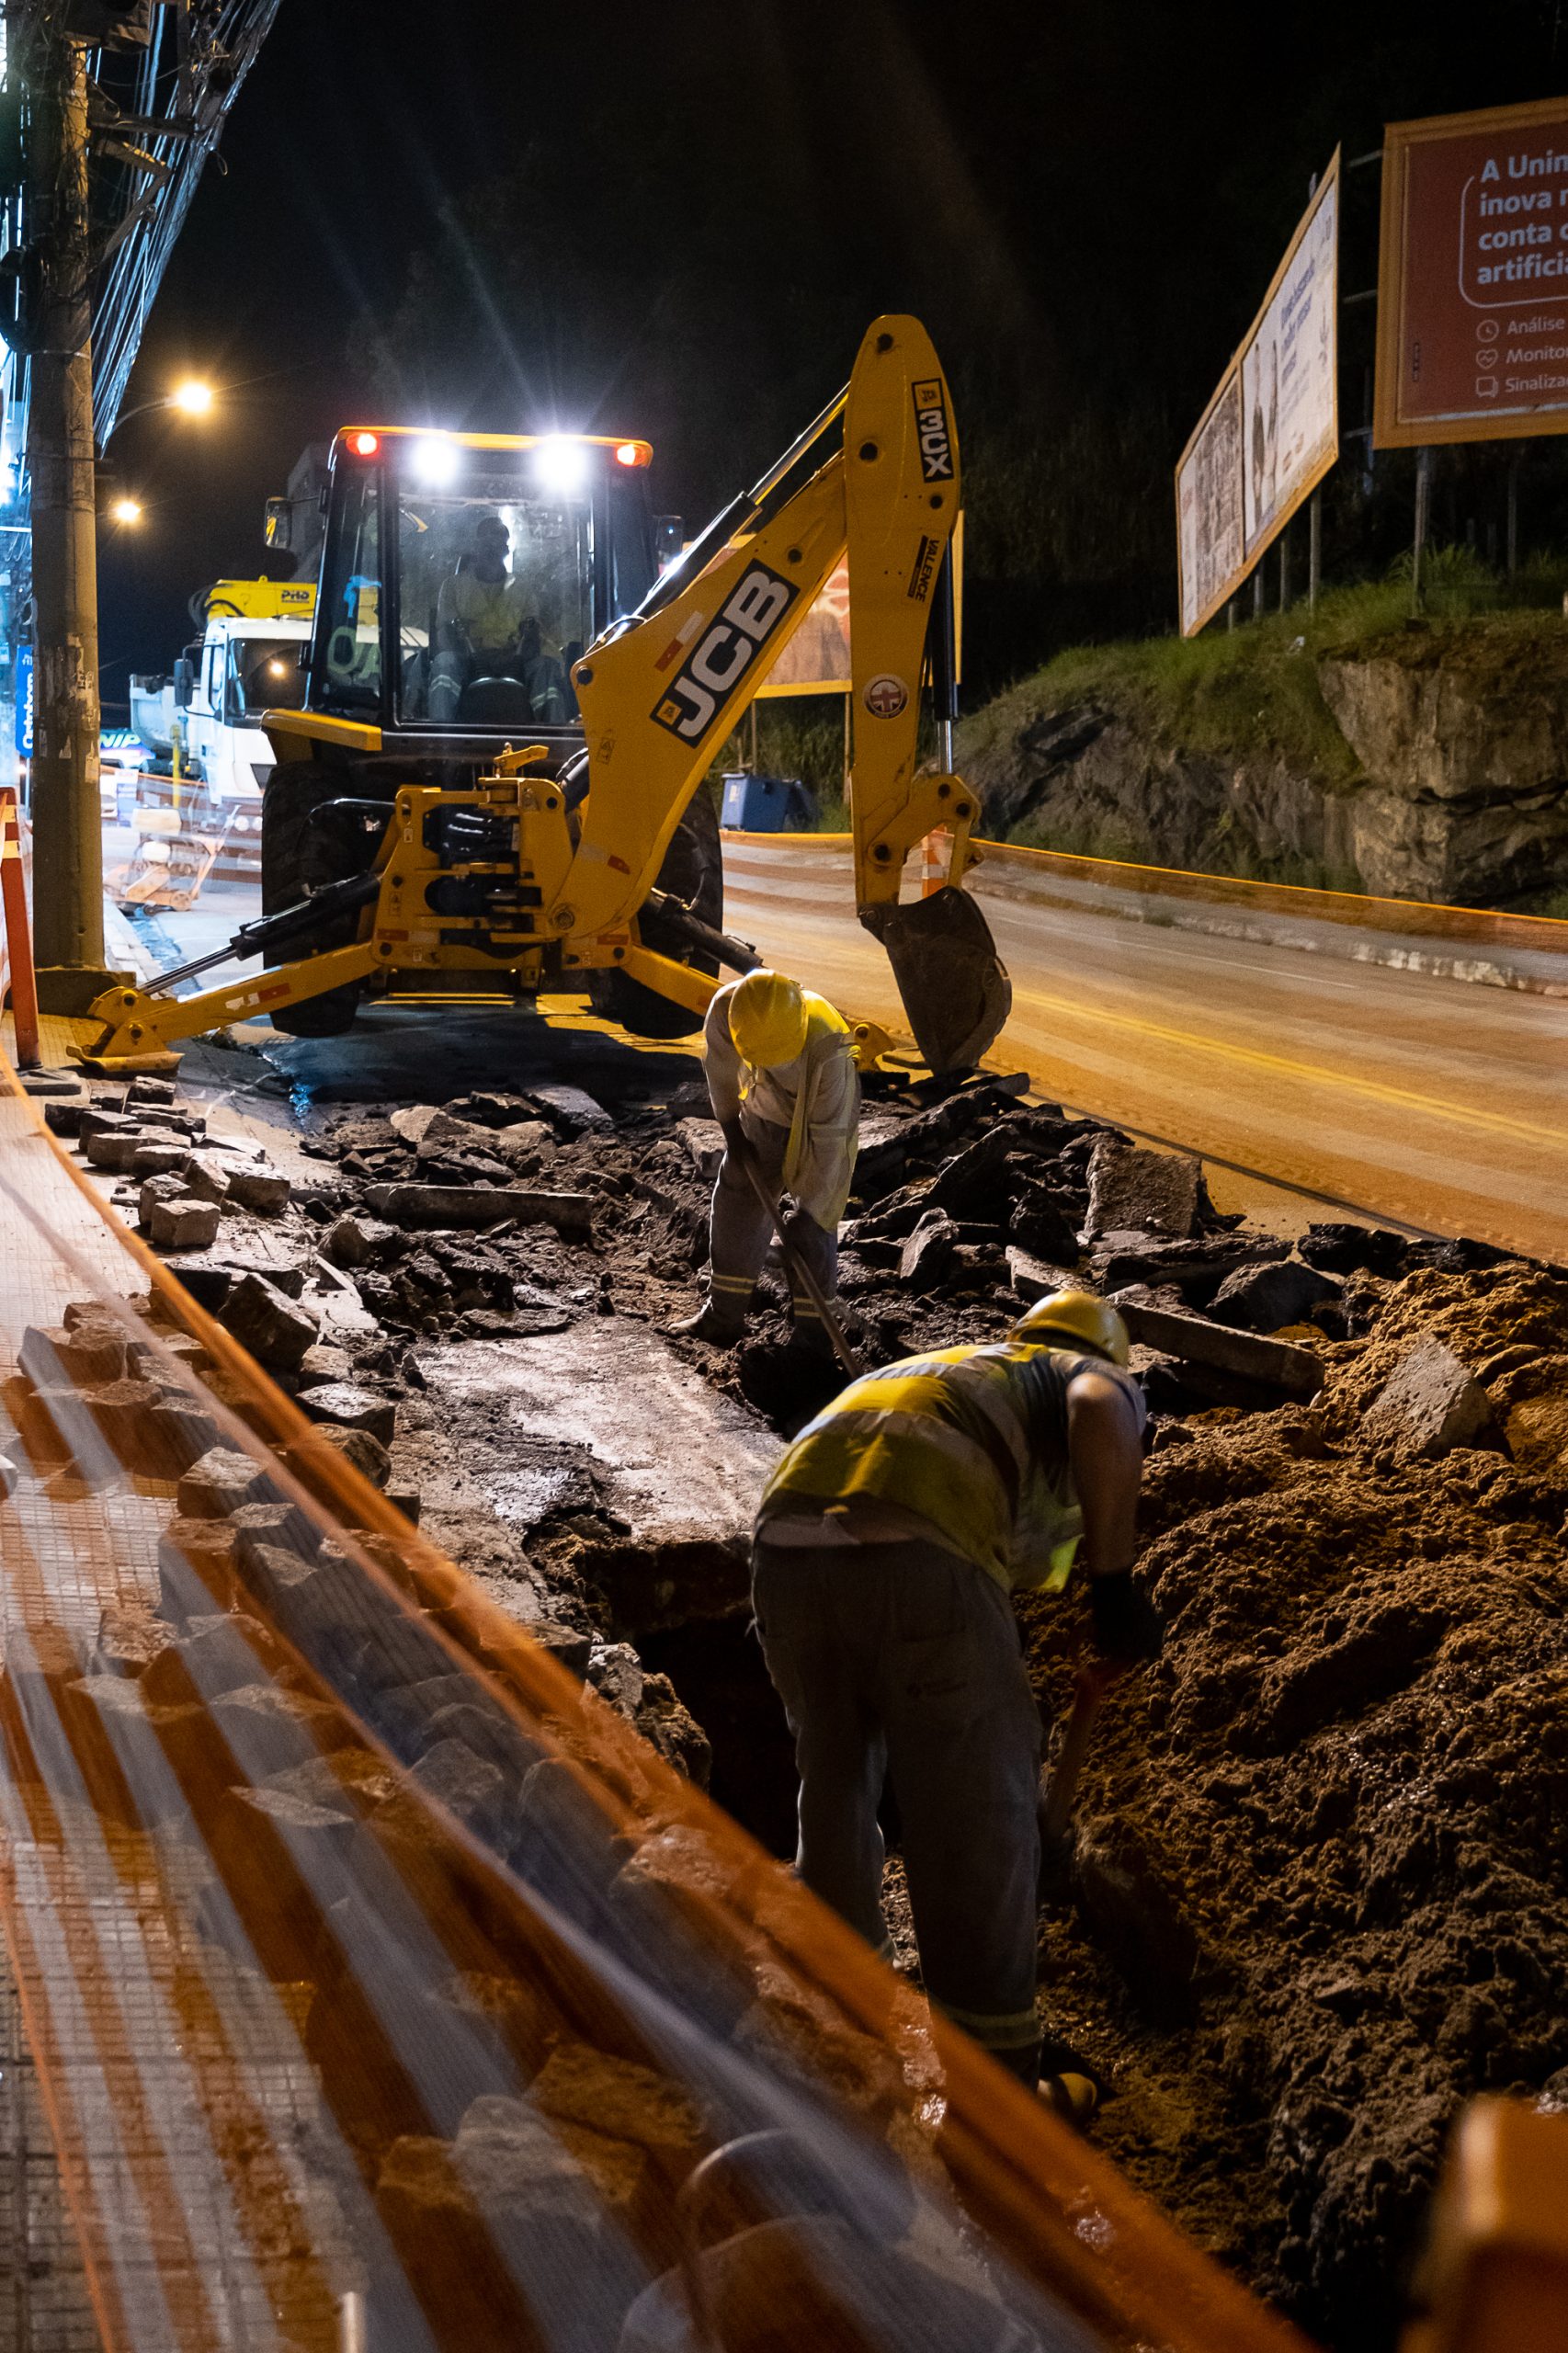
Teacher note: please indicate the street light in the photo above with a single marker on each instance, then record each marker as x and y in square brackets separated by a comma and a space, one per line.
[126, 510]
[191, 398]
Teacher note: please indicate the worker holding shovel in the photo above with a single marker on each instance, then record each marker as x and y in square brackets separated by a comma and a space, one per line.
[888, 1542]
[784, 1088]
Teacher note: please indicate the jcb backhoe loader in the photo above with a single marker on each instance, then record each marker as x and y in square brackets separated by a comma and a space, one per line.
[486, 591]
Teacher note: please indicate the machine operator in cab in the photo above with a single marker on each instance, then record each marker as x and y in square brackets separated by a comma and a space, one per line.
[484, 631]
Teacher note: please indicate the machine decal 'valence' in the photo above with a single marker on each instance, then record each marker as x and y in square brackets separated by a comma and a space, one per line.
[925, 570]
[931, 425]
[724, 652]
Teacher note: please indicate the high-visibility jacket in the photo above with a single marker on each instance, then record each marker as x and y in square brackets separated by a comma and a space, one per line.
[816, 1096]
[972, 1442]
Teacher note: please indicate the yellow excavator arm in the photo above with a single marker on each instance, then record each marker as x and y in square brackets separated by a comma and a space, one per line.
[661, 691]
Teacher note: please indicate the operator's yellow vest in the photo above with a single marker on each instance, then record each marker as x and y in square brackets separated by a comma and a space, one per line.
[972, 1440]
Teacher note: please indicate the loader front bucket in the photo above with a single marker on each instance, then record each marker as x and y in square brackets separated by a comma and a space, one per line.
[954, 987]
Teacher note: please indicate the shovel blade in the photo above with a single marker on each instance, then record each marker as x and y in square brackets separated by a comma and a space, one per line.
[955, 989]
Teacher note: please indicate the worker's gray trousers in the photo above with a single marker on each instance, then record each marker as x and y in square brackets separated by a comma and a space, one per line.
[741, 1230]
[904, 1660]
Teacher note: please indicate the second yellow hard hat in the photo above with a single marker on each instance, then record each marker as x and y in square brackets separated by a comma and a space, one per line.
[1075, 1319]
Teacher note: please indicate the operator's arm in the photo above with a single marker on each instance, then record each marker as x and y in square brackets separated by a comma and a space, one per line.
[1104, 1446]
[451, 622]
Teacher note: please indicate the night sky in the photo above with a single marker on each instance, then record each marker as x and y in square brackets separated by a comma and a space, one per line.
[1085, 201]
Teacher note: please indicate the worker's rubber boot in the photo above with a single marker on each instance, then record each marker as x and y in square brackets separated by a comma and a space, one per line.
[708, 1324]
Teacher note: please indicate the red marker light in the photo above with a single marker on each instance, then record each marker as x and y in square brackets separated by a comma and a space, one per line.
[629, 453]
[364, 445]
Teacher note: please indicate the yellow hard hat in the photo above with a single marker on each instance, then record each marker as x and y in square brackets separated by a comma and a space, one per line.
[768, 1019]
[1075, 1319]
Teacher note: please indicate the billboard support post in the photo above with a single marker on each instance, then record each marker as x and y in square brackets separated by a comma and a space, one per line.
[1423, 501]
[1512, 513]
[1314, 549]
[1257, 594]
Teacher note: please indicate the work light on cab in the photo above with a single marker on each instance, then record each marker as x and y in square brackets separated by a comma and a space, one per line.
[560, 464]
[364, 445]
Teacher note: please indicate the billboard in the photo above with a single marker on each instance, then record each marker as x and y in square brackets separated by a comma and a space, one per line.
[1473, 277]
[1271, 431]
[816, 660]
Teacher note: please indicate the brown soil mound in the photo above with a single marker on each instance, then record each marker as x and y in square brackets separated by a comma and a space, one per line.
[1321, 1886]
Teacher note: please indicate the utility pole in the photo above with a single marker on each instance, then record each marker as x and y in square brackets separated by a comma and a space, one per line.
[67, 828]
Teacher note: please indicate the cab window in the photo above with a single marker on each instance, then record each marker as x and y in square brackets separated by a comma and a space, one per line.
[347, 667]
[264, 675]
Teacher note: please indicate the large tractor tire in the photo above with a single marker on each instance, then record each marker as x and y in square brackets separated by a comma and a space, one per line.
[296, 857]
[693, 871]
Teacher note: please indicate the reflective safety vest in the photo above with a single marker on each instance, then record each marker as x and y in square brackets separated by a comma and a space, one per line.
[972, 1440]
[816, 1096]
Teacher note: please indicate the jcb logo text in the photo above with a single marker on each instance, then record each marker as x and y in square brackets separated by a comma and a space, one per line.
[723, 653]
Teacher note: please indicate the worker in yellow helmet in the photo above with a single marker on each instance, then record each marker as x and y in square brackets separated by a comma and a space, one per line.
[888, 1542]
[783, 1085]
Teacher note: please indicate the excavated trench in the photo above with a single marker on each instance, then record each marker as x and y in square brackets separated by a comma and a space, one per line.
[1318, 1893]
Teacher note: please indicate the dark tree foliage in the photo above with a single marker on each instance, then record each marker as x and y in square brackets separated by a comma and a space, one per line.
[699, 212]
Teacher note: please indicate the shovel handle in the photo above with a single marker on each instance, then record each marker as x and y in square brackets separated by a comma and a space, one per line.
[799, 1272]
[1057, 1796]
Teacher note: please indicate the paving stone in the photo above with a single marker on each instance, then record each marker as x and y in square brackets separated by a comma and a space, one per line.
[928, 1255]
[411, 1122]
[473, 1205]
[219, 1484]
[567, 1643]
[1430, 1403]
[264, 1191]
[1133, 1190]
[407, 1501]
[208, 1285]
[1033, 1278]
[125, 1411]
[147, 1090]
[90, 1352]
[468, 1786]
[163, 1185]
[578, 2085]
[1276, 1364]
[268, 1728]
[361, 1448]
[98, 1119]
[572, 1110]
[115, 1149]
[186, 1222]
[157, 1159]
[216, 1653]
[352, 1408]
[323, 1363]
[195, 1567]
[65, 1117]
[179, 1434]
[355, 1241]
[482, 1727]
[1265, 1298]
[275, 1329]
[206, 1178]
[703, 1142]
[288, 1280]
[131, 1636]
[523, 1142]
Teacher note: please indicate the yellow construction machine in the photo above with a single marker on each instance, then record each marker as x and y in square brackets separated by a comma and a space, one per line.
[492, 785]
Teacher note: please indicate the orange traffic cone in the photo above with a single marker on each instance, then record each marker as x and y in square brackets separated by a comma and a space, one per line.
[18, 932]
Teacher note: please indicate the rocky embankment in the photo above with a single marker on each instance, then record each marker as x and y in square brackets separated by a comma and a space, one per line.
[1446, 781]
[1319, 1893]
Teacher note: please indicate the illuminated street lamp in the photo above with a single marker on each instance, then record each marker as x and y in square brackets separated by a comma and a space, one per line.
[126, 510]
[191, 397]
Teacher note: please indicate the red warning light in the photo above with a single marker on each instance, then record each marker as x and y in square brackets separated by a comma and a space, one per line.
[631, 453]
[364, 445]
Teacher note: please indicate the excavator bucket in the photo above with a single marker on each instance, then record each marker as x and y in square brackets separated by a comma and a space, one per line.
[954, 986]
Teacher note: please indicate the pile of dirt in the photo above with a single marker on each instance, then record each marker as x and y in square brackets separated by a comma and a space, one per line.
[1321, 1888]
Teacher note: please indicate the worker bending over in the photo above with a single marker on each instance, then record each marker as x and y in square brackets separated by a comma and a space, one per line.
[889, 1541]
[784, 1088]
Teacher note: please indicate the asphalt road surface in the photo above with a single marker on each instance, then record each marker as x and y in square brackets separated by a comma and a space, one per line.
[1438, 1103]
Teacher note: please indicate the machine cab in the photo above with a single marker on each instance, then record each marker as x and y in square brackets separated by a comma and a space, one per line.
[463, 573]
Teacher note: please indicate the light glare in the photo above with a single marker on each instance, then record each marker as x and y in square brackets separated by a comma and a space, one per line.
[126, 510]
[561, 465]
[434, 459]
[192, 398]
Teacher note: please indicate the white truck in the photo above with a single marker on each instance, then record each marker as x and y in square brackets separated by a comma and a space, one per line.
[197, 812]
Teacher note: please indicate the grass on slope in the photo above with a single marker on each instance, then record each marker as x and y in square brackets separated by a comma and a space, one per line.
[1253, 692]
